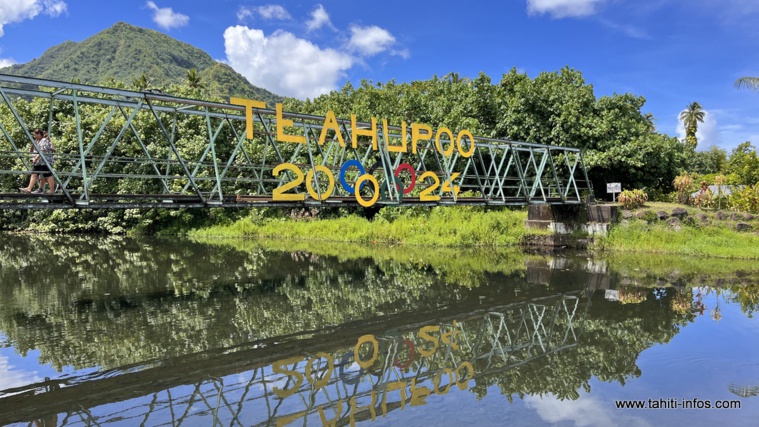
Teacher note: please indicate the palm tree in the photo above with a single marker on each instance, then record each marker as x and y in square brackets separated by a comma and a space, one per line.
[690, 117]
[194, 80]
[453, 77]
[747, 83]
[650, 122]
[141, 83]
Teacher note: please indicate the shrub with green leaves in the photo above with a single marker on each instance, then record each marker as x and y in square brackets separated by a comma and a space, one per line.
[745, 199]
[632, 199]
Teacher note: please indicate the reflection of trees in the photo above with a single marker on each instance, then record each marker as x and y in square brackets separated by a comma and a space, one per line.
[114, 301]
[738, 278]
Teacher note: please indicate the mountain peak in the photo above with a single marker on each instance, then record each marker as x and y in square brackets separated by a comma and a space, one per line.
[125, 52]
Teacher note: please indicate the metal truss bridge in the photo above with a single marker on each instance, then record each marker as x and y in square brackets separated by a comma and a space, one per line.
[120, 149]
[316, 381]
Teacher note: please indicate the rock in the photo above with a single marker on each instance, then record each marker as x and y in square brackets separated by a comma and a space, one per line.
[736, 217]
[641, 214]
[720, 216]
[702, 218]
[679, 213]
[627, 214]
[662, 215]
[748, 217]
[742, 226]
[674, 223]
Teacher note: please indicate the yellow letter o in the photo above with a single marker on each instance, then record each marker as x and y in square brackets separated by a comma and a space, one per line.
[310, 178]
[363, 340]
[373, 200]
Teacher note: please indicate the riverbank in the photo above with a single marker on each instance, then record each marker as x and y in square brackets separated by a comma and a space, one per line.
[454, 226]
[651, 229]
[667, 228]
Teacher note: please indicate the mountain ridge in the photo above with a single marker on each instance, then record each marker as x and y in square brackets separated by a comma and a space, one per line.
[125, 53]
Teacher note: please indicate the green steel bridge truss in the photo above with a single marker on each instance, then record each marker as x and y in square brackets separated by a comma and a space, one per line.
[142, 156]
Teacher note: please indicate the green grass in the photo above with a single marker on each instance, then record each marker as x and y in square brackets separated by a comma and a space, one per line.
[459, 226]
[716, 239]
[462, 226]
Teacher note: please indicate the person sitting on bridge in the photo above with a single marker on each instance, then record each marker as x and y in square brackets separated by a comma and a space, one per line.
[47, 150]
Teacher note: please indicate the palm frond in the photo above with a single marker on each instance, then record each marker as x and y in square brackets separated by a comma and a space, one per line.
[747, 83]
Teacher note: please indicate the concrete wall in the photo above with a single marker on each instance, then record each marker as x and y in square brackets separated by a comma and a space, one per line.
[567, 219]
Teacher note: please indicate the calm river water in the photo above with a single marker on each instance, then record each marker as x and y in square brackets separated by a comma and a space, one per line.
[119, 331]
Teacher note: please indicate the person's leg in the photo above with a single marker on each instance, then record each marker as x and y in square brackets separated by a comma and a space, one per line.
[32, 181]
[51, 184]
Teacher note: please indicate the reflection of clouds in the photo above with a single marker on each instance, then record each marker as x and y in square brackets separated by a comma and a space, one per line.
[10, 379]
[585, 411]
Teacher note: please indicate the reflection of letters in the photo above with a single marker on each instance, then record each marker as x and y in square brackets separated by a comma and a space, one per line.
[423, 362]
[278, 368]
[424, 334]
[418, 394]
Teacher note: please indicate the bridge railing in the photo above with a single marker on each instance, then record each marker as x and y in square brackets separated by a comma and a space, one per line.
[118, 148]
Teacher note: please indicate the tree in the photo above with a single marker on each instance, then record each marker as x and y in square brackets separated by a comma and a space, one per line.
[454, 77]
[194, 80]
[141, 83]
[744, 164]
[747, 83]
[690, 117]
[711, 161]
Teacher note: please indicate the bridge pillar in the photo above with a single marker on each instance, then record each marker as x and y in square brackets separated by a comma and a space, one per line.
[584, 220]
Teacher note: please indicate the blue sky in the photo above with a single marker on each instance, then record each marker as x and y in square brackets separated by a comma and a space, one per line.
[672, 52]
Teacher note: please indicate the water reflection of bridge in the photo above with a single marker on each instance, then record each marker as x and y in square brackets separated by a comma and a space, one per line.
[314, 379]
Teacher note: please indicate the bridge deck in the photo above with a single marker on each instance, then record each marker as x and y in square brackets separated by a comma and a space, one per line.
[176, 201]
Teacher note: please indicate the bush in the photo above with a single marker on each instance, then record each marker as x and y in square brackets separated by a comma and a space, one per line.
[683, 184]
[631, 199]
[745, 200]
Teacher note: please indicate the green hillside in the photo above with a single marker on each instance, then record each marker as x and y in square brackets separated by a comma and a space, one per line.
[125, 52]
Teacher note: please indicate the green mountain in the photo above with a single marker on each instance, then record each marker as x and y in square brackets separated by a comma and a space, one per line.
[125, 52]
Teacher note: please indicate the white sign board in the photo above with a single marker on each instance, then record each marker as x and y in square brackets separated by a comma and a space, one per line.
[614, 188]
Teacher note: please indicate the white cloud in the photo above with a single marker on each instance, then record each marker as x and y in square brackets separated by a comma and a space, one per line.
[273, 11]
[319, 18]
[563, 8]
[20, 10]
[267, 12]
[6, 62]
[243, 13]
[628, 30]
[283, 63]
[708, 133]
[11, 378]
[166, 18]
[583, 412]
[370, 41]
